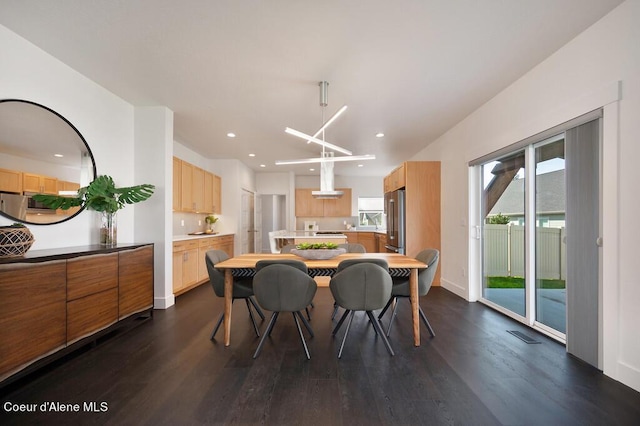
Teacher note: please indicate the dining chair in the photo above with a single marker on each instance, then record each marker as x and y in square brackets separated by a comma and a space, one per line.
[401, 287]
[361, 286]
[298, 264]
[284, 288]
[350, 248]
[242, 288]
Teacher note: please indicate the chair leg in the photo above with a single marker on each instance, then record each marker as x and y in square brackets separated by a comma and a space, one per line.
[253, 321]
[339, 324]
[426, 322]
[217, 326]
[346, 332]
[393, 316]
[312, 305]
[307, 311]
[306, 323]
[381, 333]
[256, 307]
[391, 299]
[267, 332]
[295, 318]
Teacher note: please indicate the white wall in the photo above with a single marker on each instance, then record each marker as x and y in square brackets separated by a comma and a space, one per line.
[580, 77]
[105, 121]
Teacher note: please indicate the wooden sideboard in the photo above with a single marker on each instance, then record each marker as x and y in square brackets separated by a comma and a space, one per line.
[54, 301]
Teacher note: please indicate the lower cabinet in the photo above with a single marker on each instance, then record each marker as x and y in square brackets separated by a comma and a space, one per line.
[189, 266]
[367, 239]
[50, 302]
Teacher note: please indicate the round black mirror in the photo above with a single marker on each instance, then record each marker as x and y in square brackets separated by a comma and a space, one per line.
[40, 152]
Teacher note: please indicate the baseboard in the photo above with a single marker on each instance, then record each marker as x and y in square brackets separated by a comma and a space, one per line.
[163, 302]
[454, 288]
[627, 374]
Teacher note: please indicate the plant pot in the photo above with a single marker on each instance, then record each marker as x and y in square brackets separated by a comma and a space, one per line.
[318, 254]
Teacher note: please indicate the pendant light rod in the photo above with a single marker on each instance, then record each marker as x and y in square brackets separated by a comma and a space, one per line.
[318, 141]
[325, 159]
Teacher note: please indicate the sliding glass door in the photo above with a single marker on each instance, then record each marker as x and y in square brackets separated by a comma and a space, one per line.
[503, 232]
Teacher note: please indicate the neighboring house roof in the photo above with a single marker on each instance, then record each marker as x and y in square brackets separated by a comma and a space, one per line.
[551, 184]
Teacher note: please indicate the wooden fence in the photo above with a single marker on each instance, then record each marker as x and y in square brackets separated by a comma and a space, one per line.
[504, 252]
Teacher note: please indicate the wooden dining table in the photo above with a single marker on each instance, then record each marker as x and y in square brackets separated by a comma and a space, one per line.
[244, 266]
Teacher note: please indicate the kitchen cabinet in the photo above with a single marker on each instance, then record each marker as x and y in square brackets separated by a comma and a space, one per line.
[421, 182]
[367, 239]
[195, 190]
[10, 181]
[189, 266]
[64, 298]
[308, 206]
[39, 184]
[177, 184]
[64, 185]
[185, 265]
[381, 241]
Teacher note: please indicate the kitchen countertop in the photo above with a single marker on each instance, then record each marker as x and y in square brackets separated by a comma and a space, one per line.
[194, 237]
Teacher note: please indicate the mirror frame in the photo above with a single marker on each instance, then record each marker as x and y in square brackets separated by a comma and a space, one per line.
[93, 161]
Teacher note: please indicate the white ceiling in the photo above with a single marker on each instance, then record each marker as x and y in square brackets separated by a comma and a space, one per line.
[409, 68]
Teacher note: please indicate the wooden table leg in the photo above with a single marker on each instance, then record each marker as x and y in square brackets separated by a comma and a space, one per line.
[228, 300]
[415, 300]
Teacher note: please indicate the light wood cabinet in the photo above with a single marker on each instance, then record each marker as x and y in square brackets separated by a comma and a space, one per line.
[185, 260]
[308, 206]
[177, 184]
[381, 242]
[47, 305]
[10, 181]
[367, 239]
[64, 185]
[195, 190]
[421, 182]
[39, 183]
[191, 270]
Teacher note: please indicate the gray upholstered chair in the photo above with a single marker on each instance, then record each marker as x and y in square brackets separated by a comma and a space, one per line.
[401, 287]
[353, 247]
[298, 264]
[284, 288]
[242, 289]
[361, 286]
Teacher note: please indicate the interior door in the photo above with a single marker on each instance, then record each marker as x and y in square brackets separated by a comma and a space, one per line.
[247, 223]
[257, 248]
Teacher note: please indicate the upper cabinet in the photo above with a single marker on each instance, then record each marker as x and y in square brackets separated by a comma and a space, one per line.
[395, 180]
[195, 190]
[308, 206]
[10, 181]
[40, 184]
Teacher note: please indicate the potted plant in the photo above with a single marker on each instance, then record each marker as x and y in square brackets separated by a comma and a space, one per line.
[102, 196]
[318, 251]
[211, 220]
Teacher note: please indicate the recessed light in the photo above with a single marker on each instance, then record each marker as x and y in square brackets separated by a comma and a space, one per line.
[262, 165]
[231, 135]
[58, 155]
[312, 170]
[360, 165]
[379, 135]
[252, 155]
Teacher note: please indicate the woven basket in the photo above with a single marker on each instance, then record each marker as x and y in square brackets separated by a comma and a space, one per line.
[14, 241]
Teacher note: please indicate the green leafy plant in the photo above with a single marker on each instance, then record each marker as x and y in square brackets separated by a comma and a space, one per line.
[100, 195]
[499, 219]
[317, 246]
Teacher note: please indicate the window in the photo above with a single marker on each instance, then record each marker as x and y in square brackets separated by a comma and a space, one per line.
[371, 211]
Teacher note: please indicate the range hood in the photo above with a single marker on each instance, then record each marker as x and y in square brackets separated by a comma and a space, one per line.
[327, 191]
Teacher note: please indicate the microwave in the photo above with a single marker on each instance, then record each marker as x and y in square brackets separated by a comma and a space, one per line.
[37, 207]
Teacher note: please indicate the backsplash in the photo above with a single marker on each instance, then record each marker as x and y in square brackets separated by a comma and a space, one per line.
[327, 223]
[192, 222]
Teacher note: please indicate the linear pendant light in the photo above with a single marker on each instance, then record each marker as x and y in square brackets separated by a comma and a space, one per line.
[318, 141]
[325, 159]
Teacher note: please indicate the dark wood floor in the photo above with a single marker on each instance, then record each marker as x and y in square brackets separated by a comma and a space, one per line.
[167, 371]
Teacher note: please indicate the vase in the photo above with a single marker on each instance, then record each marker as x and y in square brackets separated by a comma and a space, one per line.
[108, 229]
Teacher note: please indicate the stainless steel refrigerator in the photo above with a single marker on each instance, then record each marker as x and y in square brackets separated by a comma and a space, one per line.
[394, 206]
[13, 205]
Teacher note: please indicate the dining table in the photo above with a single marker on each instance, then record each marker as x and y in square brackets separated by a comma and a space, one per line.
[244, 266]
